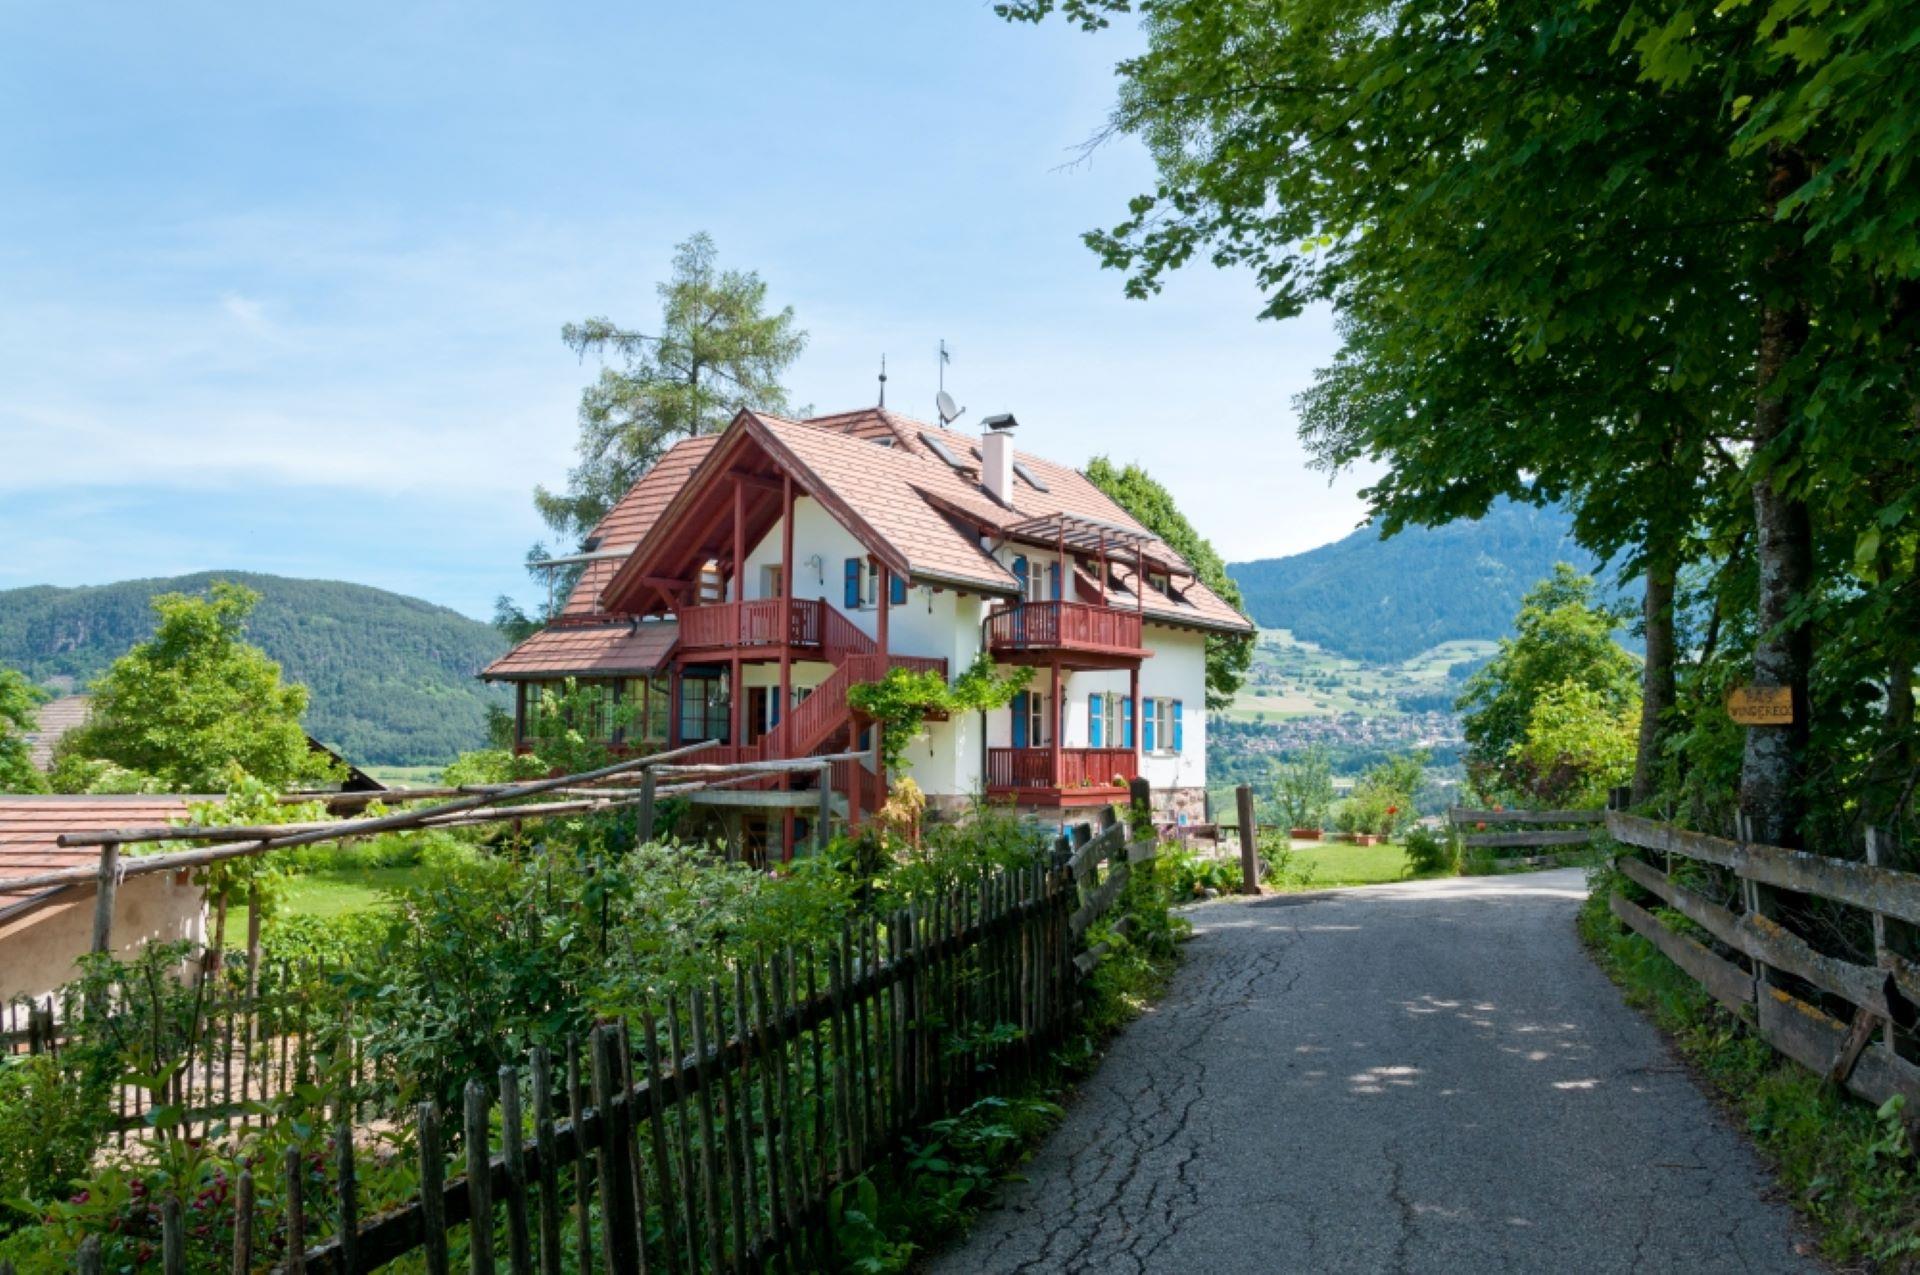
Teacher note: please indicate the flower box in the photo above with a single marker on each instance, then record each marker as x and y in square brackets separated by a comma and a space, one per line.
[1304, 834]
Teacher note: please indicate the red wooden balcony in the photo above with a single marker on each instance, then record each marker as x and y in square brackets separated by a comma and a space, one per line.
[1075, 629]
[762, 622]
[1084, 776]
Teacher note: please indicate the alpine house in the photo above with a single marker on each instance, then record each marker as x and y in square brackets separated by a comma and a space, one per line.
[751, 577]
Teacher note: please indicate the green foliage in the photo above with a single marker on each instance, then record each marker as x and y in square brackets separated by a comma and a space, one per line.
[390, 678]
[1431, 853]
[1383, 802]
[1303, 788]
[1564, 646]
[51, 1121]
[1229, 656]
[194, 703]
[716, 348]
[901, 701]
[1577, 746]
[19, 699]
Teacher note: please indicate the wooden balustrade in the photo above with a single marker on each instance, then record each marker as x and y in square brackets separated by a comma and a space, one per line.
[1072, 626]
[771, 622]
[1018, 769]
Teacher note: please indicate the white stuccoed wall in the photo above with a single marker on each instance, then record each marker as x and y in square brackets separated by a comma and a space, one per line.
[947, 760]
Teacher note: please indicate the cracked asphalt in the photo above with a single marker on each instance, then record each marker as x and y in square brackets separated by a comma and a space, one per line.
[1421, 1077]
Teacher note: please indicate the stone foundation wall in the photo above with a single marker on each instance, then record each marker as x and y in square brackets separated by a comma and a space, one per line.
[1170, 804]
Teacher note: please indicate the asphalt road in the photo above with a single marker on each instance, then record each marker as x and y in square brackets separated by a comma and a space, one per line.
[1422, 1077]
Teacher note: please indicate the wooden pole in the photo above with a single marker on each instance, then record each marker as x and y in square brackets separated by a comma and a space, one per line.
[785, 709]
[1249, 860]
[1054, 725]
[108, 882]
[823, 814]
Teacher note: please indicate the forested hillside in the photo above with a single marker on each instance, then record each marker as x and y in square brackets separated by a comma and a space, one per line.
[1384, 601]
[392, 677]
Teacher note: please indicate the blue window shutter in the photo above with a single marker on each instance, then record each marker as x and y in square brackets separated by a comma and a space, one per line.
[1146, 724]
[1020, 720]
[1096, 728]
[1178, 735]
[1053, 580]
[1126, 722]
[897, 590]
[1020, 574]
[853, 583]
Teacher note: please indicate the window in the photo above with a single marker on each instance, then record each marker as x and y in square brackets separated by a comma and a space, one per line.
[1042, 581]
[863, 584]
[770, 581]
[1031, 721]
[1162, 726]
[704, 709]
[1109, 721]
[651, 726]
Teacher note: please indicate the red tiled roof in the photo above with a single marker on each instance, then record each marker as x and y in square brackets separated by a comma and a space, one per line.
[1068, 492]
[55, 718]
[879, 466]
[29, 826]
[618, 648]
[628, 522]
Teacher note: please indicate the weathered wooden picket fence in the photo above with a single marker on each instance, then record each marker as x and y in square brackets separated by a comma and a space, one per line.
[1525, 831]
[711, 1132]
[1783, 941]
[235, 1037]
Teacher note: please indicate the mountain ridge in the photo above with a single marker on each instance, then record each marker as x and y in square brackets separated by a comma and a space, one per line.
[1387, 600]
[391, 678]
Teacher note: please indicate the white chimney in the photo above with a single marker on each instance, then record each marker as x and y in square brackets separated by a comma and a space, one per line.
[996, 457]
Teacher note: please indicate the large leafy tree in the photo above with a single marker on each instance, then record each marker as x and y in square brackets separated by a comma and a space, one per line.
[716, 348]
[1229, 656]
[195, 701]
[1562, 652]
[19, 699]
[1642, 260]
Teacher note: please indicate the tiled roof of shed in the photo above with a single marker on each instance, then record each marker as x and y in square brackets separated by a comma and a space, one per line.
[55, 718]
[30, 825]
[619, 648]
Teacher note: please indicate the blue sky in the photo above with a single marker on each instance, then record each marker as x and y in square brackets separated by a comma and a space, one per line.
[281, 288]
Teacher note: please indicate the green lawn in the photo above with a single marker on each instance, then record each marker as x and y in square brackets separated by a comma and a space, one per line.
[330, 892]
[1319, 864]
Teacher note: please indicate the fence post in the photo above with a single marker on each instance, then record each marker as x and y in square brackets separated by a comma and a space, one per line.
[296, 1258]
[433, 1191]
[109, 881]
[1757, 898]
[479, 1180]
[1249, 860]
[1139, 805]
[644, 822]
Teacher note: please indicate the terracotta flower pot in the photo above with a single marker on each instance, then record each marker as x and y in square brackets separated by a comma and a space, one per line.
[1304, 834]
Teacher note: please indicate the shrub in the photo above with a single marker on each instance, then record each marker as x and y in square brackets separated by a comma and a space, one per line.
[1432, 852]
[50, 1123]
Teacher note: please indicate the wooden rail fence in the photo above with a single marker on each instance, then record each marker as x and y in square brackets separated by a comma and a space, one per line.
[1793, 985]
[1525, 830]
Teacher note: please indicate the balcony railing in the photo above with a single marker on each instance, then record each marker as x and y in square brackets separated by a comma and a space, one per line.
[1016, 769]
[1069, 626]
[770, 622]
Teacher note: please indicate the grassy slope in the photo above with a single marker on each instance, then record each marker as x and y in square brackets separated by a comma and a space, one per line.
[1294, 678]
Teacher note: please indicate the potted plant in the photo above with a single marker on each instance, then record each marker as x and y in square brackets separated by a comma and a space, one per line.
[1303, 792]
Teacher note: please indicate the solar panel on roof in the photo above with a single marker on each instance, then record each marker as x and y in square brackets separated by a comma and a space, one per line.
[1020, 468]
[940, 449]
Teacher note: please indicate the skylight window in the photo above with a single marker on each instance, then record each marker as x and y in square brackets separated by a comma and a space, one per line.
[940, 449]
[1020, 468]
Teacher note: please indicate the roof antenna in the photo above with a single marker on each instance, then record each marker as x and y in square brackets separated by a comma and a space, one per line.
[883, 380]
[943, 402]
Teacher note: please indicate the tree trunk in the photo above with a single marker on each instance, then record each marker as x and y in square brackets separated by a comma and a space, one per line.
[1656, 675]
[1772, 769]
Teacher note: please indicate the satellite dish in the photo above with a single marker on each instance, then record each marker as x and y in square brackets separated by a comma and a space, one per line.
[949, 411]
